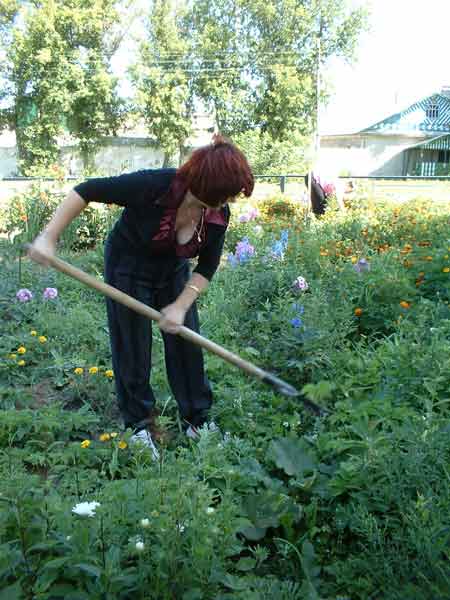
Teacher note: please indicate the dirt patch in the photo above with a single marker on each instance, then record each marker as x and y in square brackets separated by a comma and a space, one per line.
[43, 393]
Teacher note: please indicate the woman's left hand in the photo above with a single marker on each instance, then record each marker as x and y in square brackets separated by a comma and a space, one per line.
[172, 317]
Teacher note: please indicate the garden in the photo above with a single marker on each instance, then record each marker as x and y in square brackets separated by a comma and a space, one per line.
[354, 504]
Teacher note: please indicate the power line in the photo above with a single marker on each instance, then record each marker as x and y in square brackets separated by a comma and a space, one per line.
[227, 53]
[222, 69]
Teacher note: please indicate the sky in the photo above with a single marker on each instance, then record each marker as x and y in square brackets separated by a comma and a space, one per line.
[403, 58]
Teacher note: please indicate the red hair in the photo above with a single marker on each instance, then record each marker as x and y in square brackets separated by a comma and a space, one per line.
[217, 172]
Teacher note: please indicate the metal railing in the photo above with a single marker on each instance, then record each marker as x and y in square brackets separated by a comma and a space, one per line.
[280, 179]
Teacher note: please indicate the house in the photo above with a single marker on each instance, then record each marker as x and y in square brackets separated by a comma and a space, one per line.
[415, 141]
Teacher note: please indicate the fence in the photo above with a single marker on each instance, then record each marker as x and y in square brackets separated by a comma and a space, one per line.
[405, 187]
[437, 187]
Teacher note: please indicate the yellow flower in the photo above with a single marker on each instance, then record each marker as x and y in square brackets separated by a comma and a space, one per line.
[33, 332]
[405, 304]
[78, 371]
[42, 339]
[21, 363]
[13, 356]
[105, 437]
[85, 443]
[358, 312]
[428, 258]
[354, 259]
[113, 434]
[109, 373]
[446, 257]
[446, 270]
[21, 350]
[93, 370]
[122, 445]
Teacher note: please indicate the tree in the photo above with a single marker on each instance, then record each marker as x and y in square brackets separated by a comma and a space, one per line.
[256, 62]
[164, 96]
[60, 83]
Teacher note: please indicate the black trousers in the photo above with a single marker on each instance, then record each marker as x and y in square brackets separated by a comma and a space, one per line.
[157, 282]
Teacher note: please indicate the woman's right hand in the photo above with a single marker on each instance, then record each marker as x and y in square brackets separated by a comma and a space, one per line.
[42, 246]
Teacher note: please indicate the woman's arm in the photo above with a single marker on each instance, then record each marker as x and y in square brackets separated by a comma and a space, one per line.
[66, 212]
[174, 314]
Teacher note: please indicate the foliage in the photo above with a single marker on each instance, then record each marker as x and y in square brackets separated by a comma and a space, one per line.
[285, 504]
[163, 90]
[27, 214]
[257, 69]
[59, 79]
[271, 157]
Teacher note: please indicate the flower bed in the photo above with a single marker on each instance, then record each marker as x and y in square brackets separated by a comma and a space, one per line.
[353, 310]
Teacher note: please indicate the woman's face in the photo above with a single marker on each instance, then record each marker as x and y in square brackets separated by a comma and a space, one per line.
[216, 208]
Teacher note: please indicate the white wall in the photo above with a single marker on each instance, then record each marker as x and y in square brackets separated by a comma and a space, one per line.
[364, 154]
[115, 156]
[8, 162]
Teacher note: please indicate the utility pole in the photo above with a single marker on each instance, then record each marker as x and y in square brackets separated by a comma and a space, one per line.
[318, 92]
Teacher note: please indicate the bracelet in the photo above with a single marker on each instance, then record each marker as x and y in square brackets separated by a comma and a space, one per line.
[193, 287]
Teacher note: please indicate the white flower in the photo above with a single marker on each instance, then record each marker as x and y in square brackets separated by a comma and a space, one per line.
[286, 424]
[300, 284]
[85, 509]
[68, 538]
[145, 523]
[181, 528]
[210, 510]
[140, 546]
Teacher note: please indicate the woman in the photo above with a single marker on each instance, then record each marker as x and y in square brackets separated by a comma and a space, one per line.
[170, 216]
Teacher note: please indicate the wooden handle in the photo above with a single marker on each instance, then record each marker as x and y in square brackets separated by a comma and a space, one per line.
[151, 313]
[115, 294]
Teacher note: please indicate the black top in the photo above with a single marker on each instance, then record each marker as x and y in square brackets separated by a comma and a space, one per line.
[144, 196]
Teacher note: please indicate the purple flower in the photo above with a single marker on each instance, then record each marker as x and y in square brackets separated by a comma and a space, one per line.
[362, 265]
[24, 295]
[252, 214]
[244, 250]
[300, 284]
[50, 293]
[296, 322]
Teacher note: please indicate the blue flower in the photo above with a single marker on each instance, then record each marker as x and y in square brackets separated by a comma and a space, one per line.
[232, 260]
[296, 322]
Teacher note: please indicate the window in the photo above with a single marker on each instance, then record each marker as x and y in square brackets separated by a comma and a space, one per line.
[444, 156]
[432, 111]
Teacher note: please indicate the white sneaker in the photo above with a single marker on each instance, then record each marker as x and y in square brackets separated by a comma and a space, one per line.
[143, 438]
[194, 433]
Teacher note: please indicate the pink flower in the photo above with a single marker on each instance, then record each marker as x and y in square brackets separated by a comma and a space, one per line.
[24, 295]
[328, 189]
[50, 293]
